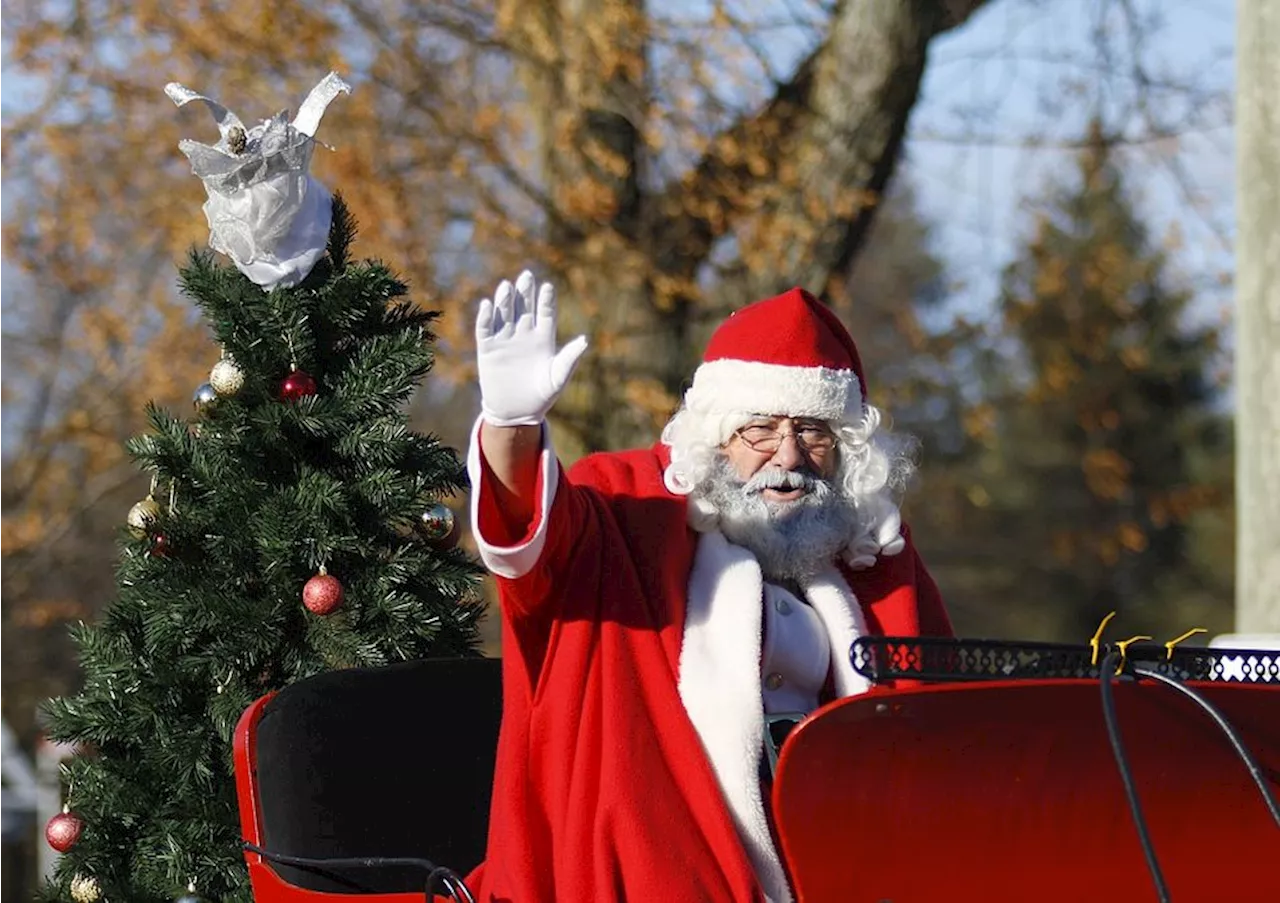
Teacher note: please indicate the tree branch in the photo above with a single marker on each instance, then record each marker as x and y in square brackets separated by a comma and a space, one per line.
[819, 153]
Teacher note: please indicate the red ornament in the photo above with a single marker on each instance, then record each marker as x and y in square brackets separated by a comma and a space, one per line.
[160, 546]
[323, 594]
[63, 830]
[297, 385]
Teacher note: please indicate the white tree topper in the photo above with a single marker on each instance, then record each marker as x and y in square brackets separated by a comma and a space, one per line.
[265, 210]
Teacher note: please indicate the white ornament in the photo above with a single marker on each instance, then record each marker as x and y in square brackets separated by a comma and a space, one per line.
[84, 889]
[226, 378]
[265, 210]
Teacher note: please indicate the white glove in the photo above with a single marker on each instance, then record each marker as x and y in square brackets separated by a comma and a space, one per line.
[521, 373]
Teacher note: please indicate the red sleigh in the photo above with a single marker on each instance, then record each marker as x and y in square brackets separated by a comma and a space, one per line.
[369, 785]
[1004, 772]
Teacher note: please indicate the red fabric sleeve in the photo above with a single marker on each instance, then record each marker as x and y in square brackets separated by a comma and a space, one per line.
[495, 525]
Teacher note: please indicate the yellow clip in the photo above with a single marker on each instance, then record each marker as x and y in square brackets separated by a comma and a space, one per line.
[1097, 638]
[1123, 646]
[1168, 647]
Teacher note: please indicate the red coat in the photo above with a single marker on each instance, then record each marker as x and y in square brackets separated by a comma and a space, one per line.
[602, 790]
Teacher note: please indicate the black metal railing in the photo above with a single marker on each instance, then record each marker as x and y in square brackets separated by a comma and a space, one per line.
[946, 659]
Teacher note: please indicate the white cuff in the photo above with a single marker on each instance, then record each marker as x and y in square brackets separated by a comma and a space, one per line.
[513, 561]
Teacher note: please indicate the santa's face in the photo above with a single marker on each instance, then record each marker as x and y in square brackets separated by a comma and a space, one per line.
[774, 493]
[768, 448]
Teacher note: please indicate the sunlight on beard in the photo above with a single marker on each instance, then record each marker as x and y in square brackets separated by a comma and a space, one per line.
[791, 539]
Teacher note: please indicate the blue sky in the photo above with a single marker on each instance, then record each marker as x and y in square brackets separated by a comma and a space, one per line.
[996, 77]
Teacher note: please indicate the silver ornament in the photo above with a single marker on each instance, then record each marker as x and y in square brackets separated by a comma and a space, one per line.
[203, 398]
[226, 378]
[436, 523]
[85, 889]
[143, 515]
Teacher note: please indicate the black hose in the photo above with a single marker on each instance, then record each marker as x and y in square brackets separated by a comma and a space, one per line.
[1255, 771]
[436, 875]
[1107, 674]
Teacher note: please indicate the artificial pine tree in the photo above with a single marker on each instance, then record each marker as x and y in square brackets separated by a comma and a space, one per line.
[295, 525]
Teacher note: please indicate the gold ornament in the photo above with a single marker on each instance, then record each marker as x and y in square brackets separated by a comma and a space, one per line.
[85, 889]
[237, 140]
[143, 516]
[226, 378]
[204, 397]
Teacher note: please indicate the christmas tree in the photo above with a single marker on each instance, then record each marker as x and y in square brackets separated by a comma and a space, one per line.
[295, 525]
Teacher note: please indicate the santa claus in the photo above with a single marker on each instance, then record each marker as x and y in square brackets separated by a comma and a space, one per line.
[659, 604]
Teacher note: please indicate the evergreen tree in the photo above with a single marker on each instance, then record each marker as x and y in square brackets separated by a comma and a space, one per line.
[1108, 443]
[297, 478]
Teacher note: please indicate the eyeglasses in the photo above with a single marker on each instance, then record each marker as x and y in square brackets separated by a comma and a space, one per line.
[767, 438]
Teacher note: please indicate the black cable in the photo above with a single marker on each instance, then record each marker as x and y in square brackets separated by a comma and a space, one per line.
[450, 881]
[1106, 675]
[1241, 750]
[447, 878]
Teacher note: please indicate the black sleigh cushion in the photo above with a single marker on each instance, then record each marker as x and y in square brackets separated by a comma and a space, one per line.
[380, 762]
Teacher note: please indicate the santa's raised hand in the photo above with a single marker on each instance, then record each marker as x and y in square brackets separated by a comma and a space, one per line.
[521, 371]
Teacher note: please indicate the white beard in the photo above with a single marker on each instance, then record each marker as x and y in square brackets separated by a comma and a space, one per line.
[791, 540]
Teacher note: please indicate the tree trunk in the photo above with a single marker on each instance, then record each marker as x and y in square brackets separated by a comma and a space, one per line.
[796, 182]
[1257, 372]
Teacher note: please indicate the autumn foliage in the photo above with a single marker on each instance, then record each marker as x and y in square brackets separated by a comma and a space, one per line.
[664, 168]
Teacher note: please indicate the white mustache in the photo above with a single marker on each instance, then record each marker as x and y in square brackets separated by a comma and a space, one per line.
[776, 478]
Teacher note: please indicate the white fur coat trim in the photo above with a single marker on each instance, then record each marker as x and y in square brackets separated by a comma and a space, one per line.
[720, 688]
[720, 680]
[841, 614]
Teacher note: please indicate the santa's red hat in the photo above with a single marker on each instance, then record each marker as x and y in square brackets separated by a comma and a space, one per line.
[787, 356]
